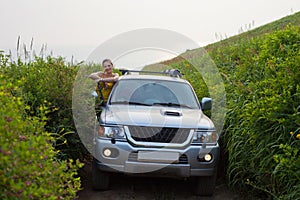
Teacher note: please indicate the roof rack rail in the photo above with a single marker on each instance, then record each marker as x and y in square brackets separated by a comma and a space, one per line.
[170, 72]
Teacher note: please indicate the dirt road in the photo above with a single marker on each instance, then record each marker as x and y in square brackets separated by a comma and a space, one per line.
[145, 188]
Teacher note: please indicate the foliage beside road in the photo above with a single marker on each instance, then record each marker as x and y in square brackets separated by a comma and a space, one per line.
[262, 130]
[29, 167]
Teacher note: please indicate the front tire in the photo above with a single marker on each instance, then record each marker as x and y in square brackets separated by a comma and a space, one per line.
[100, 180]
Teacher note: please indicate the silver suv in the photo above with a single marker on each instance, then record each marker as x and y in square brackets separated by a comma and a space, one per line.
[154, 125]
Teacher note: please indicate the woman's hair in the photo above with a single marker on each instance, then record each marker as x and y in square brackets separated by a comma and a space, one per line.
[107, 60]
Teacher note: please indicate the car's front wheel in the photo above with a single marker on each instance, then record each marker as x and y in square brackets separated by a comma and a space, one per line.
[100, 180]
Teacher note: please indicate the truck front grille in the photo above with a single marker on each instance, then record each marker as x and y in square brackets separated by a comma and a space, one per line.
[159, 134]
[183, 159]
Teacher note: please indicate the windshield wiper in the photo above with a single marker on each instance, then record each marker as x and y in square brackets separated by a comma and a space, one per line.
[130, 103]
[173, 105]
[147, 104]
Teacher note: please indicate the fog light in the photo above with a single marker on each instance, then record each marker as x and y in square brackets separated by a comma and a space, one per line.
[107, 152]
[207, 157]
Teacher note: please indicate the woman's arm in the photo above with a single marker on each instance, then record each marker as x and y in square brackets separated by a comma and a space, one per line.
[111, 79]
[97, 77]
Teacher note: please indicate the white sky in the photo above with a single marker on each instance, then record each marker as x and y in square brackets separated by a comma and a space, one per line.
[77, 27]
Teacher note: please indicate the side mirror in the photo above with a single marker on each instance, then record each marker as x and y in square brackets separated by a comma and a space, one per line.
[206, 103]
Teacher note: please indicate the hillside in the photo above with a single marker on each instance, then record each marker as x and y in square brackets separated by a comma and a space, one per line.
[293, 20]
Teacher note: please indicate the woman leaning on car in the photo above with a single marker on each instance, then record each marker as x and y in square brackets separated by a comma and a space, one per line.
[105, 81]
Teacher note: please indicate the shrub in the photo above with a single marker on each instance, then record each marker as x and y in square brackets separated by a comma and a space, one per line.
[29, 168]
[261, 138]
[263, 119]
[49, 79]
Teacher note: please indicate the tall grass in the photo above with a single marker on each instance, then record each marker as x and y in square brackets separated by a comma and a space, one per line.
[261, 137]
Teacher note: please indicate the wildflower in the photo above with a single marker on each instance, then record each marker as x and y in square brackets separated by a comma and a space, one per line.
[22, 137]
[8, 119]
[28, 183]
[298, 136]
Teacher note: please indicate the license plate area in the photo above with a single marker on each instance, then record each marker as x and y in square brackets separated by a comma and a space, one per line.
[158, 156]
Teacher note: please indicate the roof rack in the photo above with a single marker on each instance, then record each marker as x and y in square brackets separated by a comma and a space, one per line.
[170, 72]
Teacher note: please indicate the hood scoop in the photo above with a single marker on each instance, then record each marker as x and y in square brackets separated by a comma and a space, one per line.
[172, 113]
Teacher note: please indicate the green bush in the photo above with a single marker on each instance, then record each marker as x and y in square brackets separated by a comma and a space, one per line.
[261, 138]
[263, 122]
[49, 79]
[29, 168]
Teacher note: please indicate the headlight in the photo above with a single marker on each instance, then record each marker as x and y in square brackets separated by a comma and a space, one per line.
[115, 132]
[205, 136]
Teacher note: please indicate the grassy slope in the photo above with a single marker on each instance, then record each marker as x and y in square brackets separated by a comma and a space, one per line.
[268, 28]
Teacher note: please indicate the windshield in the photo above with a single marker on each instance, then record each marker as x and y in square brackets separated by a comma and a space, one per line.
[154, 92]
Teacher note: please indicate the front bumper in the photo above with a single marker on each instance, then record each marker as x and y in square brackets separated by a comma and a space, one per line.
[125, 159]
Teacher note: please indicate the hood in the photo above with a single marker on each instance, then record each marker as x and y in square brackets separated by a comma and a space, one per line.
[156, 116]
